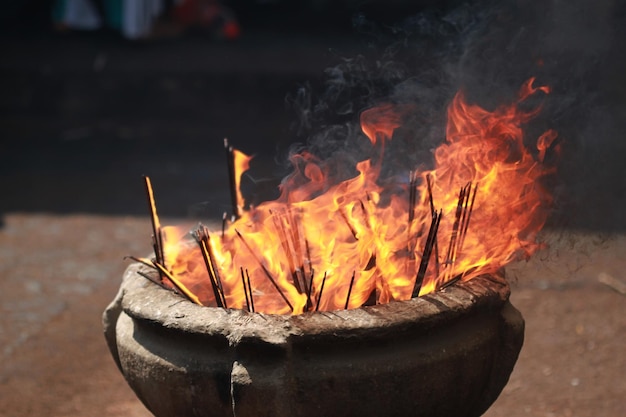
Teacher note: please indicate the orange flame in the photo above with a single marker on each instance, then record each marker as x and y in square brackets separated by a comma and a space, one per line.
[325, 245]
[242, 164]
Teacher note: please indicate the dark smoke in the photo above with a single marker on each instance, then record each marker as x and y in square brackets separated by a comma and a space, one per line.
[488, 49]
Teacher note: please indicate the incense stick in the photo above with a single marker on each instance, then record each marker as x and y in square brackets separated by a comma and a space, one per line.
[216, 271]
[411, 216]
[430, 193]
[307, 288]
[308, 294]
[466, 196]
[201, 238]
[294, 225]
[366, 216]
[282, 235]
[144, 261]
[232, 181]
[319, 295]
[250, 290]
[154, 281]
[149, 263]
[245, 288]
[178, 284]
[469, 216]
[431, 201]
[412, 194]
[451, 282]
[157, 237]
[349, 290]
[345, 219]
[450, 256]
[371, 263]
[265, 270]
[432, 236]
[308, 255]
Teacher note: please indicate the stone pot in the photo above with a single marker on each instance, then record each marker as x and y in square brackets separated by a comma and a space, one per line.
[449, 353]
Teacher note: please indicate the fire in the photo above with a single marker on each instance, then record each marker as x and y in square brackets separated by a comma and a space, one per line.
[238, 163]
[324, 245]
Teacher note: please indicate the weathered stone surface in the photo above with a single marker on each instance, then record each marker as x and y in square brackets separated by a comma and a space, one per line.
[443, 354]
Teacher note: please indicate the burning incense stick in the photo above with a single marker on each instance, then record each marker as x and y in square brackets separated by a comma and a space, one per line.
[265, 270]
[412, 196]
[349, 290]
[245, 288]
[428, 247]
[157, 236]
[451, 254]
[344, 216]
[247, 283]
[203, 239]
[284, 243]
[150, 264]
[430, 193]
[308, 293]
[216, 270]
[451, 282]
[232, 181]
[157, 282]
[319, 295]
[145, 261]
[179, 285]
[294, 226]
[366, 216]
[431, 202]
[468, 217]
[307, 287]
[308, 256]
[411, 238]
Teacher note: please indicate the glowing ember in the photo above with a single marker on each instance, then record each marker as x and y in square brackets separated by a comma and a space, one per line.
[325, 246]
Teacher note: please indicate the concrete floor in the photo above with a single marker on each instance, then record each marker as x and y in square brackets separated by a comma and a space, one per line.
[59, 272]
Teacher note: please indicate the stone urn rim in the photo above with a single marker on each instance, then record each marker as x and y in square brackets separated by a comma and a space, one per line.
[143, 300]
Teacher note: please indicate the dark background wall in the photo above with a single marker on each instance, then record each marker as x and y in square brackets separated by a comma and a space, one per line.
[84, 115]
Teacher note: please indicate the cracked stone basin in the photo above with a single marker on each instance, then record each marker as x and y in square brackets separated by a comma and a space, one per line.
[449, 353]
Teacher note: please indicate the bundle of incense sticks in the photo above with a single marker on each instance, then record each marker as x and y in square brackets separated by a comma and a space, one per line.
[298, 257]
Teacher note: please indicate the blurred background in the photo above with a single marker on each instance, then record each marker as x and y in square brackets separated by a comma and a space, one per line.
[95, 94]
[113, 99]
[87, 108]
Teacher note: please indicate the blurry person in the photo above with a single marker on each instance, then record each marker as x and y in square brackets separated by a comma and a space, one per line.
[145, 19]
[207, 16]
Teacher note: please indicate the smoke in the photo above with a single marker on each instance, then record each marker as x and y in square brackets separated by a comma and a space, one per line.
[488, 49]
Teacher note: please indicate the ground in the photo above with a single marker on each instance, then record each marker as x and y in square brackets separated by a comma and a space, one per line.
[59, 273]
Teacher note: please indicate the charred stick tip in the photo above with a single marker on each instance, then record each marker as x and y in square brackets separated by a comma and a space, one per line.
[426, 253]
[451, 282]
[202, 238]
[349, 290]
[250, 291]
[344, 216]
[430, 193]
[155, 281]
[232, 182]
[319, 295]
[245, 288]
